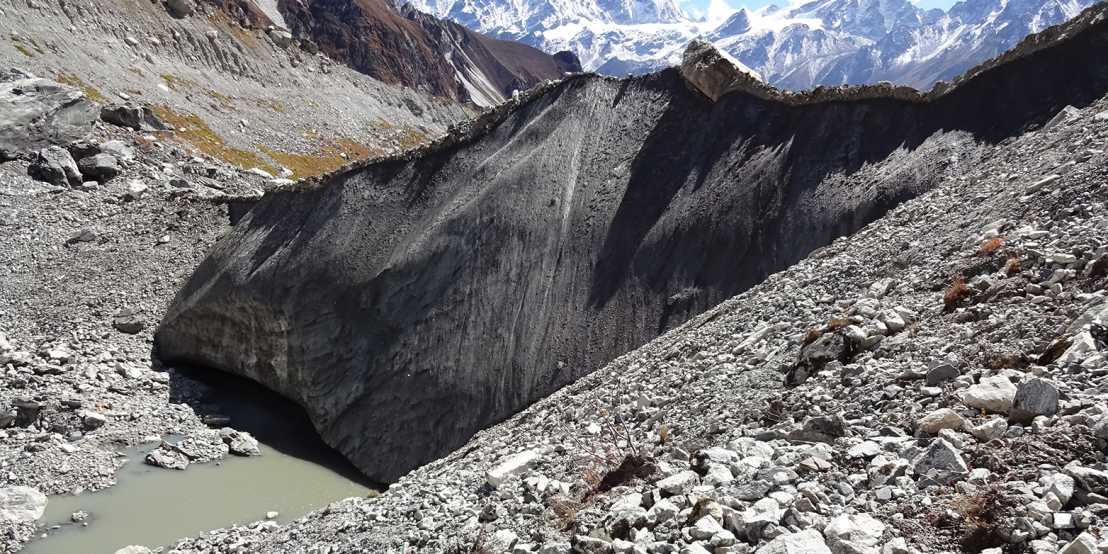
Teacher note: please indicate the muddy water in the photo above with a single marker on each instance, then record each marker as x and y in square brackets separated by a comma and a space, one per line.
[295, 474]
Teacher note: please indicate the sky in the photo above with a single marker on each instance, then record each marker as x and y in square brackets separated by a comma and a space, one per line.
[700, 7]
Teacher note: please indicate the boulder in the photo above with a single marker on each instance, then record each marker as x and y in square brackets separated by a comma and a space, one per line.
[943, 418]
[36, 113]
[848, 534]
[168, 458]
[132, 116]
[19, 504]
[56, 166]
[941, 463]
[1085, 543]
[134, 549]
[180, 8]
[941, 373]
[808, 541]
[128, 322]
[513, 465]
[101, 167]
[714, 72]
[240, 443]
[992, 394]
[91, 421]
[1034, 397]
[679, 483]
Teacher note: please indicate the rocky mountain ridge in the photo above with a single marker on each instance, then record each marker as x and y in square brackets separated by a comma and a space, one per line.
[405, 47]
[796, 47]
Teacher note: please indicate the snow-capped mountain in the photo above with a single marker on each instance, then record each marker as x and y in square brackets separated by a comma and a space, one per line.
[821, 42]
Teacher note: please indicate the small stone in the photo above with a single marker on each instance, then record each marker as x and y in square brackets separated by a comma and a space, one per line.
[679, 483]
[101, 167]
[940, 374]
[941, 461]
[167, 458]
[91, 421]
[808, 541]
[502, 541]
[134, 549]
[513, 465]
[1085, 543]
[271, 515]
[992, 394]
[854, 533]
[705, 528]
[240, 443]
[1034, 397]
[128, 321]
[990, 430]
[943, 418]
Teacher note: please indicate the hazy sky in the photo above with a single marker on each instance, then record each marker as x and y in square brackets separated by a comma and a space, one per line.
[699, 6]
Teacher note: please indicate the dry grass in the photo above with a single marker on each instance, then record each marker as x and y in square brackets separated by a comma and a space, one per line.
[225, 102]
[176, 83]
[275, 106]
[24, 50]
[957, 292]
[192, 129]
[333, 155]
[834, 325]
[991, 246]
[74, 81]
[981, 515]
[565, 510]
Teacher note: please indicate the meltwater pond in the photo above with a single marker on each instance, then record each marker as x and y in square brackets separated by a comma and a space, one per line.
[149, 506]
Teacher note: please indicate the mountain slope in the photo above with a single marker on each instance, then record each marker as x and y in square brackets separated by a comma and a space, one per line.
[419, 51]
[798, 47]
[470, 279]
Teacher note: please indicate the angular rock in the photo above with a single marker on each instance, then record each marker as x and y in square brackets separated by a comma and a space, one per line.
[820, 429]
[118, 149]
[1085, 543]
[990, 430]
[941, 373]
[679, 483]
[139, 118]
[992, 394]
[1034, 397]
[808, 541]
[20, 504]
[180, 8]
[101, 167]
[134, 549]
[56, 166]
[513, 465]
[92, 420]
[714, 72]
[943, 418]
[240, 443]
[847, 534]
[168, 458]
[36, 113]
[941, 462]
[129, 322]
